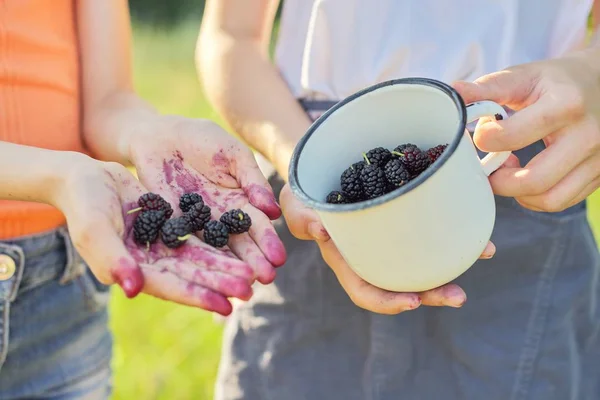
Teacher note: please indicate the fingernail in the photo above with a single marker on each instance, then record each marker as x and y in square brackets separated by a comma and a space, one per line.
[129, 276]
[317, 231]
[273, 212]
[129, 288]
[457, 298]
[489, 251]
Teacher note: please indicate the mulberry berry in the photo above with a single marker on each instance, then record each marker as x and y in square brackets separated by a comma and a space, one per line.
[336, 197]
[187, 200]
[350, 182]
[413, 159]
[373, 180]
[237, 221]
[359, 165]
[401, 148]
[198, 215]
[147, 226]
[396, 173]
[435, 152]
[175, 232]
[153, 201]
[216, 233]
[379, 156]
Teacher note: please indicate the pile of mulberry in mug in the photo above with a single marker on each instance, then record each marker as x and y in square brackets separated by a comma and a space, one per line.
[382, 170]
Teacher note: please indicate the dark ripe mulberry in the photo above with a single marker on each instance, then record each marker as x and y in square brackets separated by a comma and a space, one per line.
[216, 233]
[373, 181]
[350, 182]
[379, 156]
[237, 221]
[435, 152]
[187, 200]
[401, 148]
[147, 226]
[396, 173]
[198, 215]
[358, 165]
[153, 201]
[336, 197]
[175, 232]
[413, 159]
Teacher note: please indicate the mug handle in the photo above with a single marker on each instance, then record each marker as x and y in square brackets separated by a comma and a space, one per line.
[493, 160]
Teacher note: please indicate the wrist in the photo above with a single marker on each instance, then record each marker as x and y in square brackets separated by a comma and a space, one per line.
[137, 130]
[64, 168]
[151, 133]
[34, 174]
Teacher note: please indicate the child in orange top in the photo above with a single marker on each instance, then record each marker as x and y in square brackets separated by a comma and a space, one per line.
[66, 96]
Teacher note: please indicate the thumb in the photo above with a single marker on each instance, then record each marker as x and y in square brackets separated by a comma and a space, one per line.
[104, 251]
[302, 222]
[511, 87]
[257, 188]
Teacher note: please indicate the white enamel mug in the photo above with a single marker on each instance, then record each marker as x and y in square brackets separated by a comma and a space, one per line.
[427, 232]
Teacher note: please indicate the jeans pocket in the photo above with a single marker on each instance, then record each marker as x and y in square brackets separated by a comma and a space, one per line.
[95, 293]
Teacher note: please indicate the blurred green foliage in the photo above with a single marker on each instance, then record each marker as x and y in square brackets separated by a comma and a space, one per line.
[165, 13]
[169, 13]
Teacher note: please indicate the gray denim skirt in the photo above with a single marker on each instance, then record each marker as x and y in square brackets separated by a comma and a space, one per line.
[530, 328]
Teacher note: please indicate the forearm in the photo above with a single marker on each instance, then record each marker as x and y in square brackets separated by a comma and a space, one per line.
[112, 112]
[245, 87]
[33, 174]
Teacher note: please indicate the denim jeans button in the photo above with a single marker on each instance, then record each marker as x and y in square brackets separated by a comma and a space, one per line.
[7, 267]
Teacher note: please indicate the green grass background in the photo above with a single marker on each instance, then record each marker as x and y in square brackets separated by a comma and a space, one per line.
[165, 351]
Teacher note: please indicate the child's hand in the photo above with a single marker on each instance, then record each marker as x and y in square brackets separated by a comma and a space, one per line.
[95, 199]
[556, 101]
[187, 155]
[305, 224]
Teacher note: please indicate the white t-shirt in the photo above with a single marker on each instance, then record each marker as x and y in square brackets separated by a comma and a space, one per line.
[333, 48]
[329, 49]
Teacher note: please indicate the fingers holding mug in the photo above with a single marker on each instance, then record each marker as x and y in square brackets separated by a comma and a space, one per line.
[488, 252]
[363, 294]
[380, 301]
[303, 222]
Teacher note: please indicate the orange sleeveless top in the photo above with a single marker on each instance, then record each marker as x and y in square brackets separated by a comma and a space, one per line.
[39, 94]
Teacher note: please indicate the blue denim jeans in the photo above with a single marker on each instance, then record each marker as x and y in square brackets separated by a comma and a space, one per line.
[54, 336]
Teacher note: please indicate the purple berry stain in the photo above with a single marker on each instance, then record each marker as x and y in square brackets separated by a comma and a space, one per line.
[220, 160]
[264, 200]
[168, 171]
[274, 248]
[129, 276]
